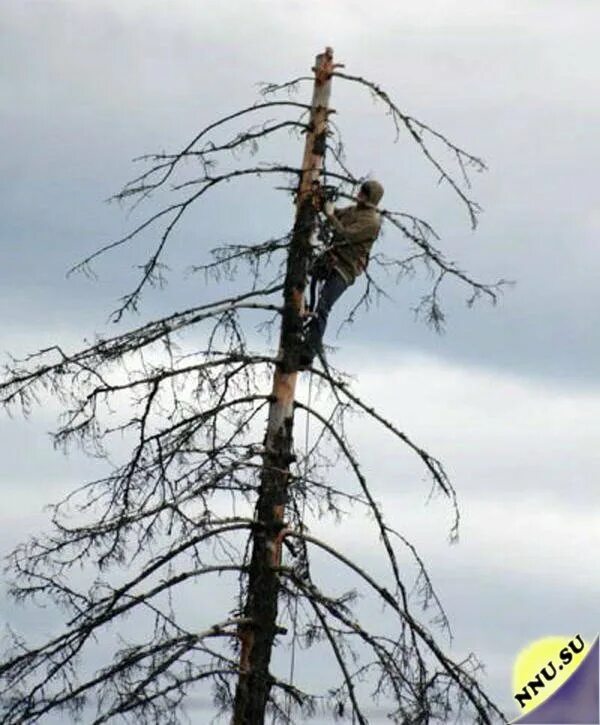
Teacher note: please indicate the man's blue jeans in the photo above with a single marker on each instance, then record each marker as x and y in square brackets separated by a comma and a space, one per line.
[332, 289]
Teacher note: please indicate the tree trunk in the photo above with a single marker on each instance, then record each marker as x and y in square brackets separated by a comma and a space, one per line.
[263, 585]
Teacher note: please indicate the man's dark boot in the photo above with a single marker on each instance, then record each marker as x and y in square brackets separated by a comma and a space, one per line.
[305, 359]
[310, 347]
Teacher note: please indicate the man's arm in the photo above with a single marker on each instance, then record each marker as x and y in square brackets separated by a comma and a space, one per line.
[333, 212]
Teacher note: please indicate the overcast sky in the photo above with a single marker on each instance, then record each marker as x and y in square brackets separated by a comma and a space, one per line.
[508, 397]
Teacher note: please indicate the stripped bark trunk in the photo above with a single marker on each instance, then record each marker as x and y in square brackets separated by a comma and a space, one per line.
[257, 638]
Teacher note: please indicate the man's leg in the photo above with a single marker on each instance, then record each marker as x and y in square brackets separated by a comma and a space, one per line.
[333, 287]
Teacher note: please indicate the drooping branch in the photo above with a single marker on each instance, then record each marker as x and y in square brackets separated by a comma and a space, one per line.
[243, 140]
[418, 132]
[226, 257]
[174, 213]
[19, 379]
[465, 683]
[434, 466]
[145, 183]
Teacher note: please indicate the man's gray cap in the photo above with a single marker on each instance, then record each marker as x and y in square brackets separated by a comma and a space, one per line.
[373, 190]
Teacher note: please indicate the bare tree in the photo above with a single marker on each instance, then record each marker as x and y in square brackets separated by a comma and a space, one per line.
[199, 494]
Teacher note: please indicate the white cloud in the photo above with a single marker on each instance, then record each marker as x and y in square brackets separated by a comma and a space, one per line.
[522, 458]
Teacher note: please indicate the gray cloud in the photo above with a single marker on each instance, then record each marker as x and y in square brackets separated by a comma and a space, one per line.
[91, 86]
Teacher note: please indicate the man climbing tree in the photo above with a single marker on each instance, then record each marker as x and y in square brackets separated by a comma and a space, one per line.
[355, 229]
[196, 497]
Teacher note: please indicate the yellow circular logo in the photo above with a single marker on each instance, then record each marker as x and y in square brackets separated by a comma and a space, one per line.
[542, 667]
